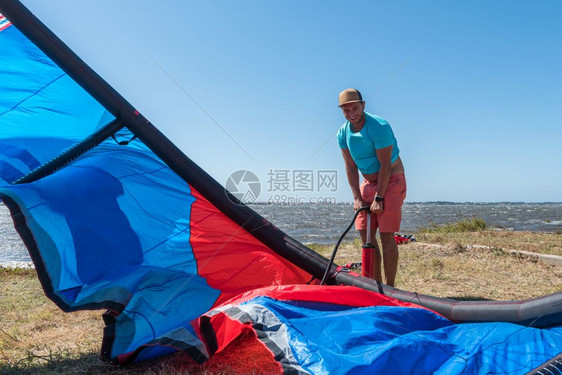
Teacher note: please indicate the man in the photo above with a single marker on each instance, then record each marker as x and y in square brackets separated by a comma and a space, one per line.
[368, 145]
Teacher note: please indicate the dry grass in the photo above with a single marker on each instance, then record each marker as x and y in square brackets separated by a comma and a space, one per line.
[458, 272]
[36, 338]
[450, 268]
[35, 333]
[545, 243]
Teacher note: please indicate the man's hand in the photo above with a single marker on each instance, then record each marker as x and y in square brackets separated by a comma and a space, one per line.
[377, 207]
[358, 203]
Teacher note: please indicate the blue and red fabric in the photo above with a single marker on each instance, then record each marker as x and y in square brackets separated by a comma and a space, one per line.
[118, 228]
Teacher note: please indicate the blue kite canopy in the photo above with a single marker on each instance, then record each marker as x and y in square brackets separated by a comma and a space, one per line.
[115, 217]
[346, 330]
[43, 110]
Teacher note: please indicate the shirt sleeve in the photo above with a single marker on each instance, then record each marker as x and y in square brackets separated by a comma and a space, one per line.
[341, 138]
[384, 137]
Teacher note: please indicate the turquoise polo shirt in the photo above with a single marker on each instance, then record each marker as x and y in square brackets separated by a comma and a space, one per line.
[362, 145]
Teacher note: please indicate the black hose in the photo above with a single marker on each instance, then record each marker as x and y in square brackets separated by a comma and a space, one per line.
[365, 208]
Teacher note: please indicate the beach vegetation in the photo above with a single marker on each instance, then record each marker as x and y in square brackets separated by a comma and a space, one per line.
[535, 242]
[497, 251]
[7, 271]
[474, 224]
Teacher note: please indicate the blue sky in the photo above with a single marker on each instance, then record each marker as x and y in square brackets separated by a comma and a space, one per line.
[473, 90]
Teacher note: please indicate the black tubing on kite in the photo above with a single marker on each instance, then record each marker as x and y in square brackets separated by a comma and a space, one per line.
[72, 153]
[545, 311]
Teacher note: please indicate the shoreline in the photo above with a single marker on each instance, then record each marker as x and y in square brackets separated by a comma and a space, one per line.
[17, 264]
[531, 242]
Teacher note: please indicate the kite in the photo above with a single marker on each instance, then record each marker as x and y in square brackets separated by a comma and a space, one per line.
[116, 217]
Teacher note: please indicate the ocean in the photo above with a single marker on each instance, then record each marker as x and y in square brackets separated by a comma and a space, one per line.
[324, 224]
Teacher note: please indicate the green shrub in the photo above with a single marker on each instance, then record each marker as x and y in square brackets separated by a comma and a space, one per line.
[474, 224]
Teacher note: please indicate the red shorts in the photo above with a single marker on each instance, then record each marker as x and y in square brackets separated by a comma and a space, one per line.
[389, 219]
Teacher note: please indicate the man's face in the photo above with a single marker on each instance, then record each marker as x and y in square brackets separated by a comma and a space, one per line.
[354, 112]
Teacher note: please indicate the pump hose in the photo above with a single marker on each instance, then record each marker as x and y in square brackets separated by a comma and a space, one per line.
[365, 208]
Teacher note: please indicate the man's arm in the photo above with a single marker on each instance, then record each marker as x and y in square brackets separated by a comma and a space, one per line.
[352, 178]
[385, 156]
